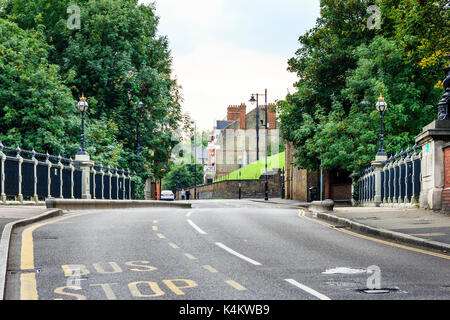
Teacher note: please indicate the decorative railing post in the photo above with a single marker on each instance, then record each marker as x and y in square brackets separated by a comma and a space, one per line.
[93, 182]
[3, 160]
[72, 182]
[19, 196]
[408, 178]
[123, 183]
[401, 179]
[117, 183]
[35, 196]
[386, 184]
[61, 167]
[49, 168]
[102, 173]
[110, 182]
[129, 184]
[416, 177]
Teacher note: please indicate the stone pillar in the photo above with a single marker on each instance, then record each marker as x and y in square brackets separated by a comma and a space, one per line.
[378, 165]
[148, 189]
[85, 164]
[432, 140]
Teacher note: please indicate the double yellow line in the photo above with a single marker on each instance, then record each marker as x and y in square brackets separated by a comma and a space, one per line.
[301, 214]
[28, 286]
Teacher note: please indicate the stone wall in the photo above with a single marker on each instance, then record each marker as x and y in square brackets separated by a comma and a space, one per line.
[250, 189]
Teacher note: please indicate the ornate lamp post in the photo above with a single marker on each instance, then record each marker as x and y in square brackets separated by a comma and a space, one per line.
[266, 125]
[381, 108]
[82, 107]
[443, 112]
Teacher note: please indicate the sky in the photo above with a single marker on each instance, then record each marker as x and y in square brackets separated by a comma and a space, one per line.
[225, 50]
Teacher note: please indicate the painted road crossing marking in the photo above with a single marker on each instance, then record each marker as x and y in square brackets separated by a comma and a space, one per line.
[193, 225]
[236, 285]
[308, 289]
[301, 214]
[221, 245]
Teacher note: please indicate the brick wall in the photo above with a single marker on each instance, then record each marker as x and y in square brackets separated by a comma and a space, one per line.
[446, 191]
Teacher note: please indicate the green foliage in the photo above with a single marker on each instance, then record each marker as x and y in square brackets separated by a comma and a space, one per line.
[116, 59]
[181, 176]
[36, 107]
[331, 118]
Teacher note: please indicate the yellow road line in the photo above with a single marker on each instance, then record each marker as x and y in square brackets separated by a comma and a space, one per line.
[155, 228]
[302, 215]
[190, 256]
[28, 289]
[27, 249]
[173, 245]
[155, 221]
[210, 269]
[28, 286]
[161, 236]
[236, 285]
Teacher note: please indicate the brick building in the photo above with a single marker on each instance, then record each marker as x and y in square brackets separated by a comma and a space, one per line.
[239, 138]
[336, 184]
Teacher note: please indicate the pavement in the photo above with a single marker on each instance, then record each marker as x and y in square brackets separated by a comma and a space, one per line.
[14, 213]
[412, 225]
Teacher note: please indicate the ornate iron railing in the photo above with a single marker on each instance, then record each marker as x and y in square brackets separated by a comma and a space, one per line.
[397, 182]
[38, 176]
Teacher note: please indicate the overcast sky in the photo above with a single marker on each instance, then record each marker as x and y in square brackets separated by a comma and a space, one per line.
[225, 50]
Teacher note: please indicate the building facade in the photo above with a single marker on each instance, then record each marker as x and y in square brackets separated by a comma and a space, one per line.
[246, 140]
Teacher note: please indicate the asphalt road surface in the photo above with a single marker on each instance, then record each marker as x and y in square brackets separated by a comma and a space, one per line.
[218, 250]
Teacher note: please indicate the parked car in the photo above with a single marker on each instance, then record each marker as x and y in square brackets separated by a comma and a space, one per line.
[167, 195]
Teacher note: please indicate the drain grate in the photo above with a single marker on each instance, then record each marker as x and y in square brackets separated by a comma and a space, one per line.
[378, 291]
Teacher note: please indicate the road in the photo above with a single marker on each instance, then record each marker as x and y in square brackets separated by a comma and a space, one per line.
[218, 250]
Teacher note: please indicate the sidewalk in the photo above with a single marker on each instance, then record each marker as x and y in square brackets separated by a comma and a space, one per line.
[429, 226]
[13, 213]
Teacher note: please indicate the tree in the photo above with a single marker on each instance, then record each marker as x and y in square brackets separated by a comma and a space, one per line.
[36, 108]
[333, 122]
[181, 177]
[118, 61]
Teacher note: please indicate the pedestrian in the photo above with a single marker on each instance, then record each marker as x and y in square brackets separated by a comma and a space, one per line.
[188, 194]
[183, 194]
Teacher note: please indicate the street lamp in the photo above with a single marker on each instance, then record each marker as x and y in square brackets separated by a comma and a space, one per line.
[138, 135]
[82, 107]
[381, 108]
[266, 125]
[240, 166]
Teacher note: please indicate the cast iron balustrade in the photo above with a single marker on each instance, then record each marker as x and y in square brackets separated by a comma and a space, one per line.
[37, 176]
[399, 182]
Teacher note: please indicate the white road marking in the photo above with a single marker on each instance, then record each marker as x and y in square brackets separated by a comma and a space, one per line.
[221, 245]
[189, 214]
[193, 225]
[308, 289]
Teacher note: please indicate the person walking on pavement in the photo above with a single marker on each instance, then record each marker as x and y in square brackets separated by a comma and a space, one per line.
[183, 194]
[188, 194]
